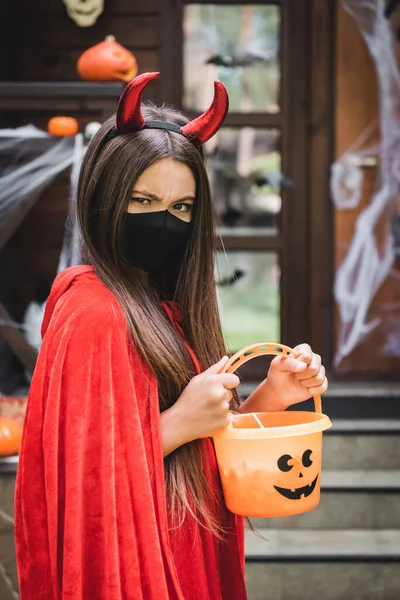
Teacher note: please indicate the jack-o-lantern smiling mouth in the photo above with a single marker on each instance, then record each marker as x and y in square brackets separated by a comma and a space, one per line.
[286, 464]
[298, 493]
[126, 75]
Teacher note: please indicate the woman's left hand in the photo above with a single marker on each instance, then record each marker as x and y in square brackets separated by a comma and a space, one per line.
[293, 380]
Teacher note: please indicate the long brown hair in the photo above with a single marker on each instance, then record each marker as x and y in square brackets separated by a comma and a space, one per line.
[108, 173]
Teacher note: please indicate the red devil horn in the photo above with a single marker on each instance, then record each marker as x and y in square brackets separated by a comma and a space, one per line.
[205, 126]
[129, 115]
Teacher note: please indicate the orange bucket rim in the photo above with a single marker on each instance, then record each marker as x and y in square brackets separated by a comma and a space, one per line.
[316, 425]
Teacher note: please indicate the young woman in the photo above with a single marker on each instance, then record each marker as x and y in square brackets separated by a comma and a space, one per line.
[118, 495]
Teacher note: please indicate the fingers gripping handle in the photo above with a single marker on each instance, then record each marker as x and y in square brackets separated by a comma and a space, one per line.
[250, 352]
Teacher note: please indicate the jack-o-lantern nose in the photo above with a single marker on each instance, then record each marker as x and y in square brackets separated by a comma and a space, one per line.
[301, 475]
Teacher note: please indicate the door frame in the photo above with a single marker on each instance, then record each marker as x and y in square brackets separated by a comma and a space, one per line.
[305, 243]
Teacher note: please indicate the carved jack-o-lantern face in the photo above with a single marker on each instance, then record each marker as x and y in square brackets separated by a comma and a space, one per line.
[288, 463]
[107, 61]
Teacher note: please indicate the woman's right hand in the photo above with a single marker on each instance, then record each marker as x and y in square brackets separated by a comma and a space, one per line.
[202, 409]
[204, 405]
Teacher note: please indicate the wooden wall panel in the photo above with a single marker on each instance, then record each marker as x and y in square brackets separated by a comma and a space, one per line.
[136, 31]
[7, 27]
[110, 6]
[47, 46]
[357, 106]
[320, 155]
[49, 42]
[44, 63]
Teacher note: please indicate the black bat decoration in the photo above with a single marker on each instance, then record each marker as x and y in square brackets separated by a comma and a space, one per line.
[245, 60]
[231, 279]
[261, 180]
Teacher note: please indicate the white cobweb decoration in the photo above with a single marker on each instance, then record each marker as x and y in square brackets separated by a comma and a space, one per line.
[367, 265]
[29, 162]
[28, 167]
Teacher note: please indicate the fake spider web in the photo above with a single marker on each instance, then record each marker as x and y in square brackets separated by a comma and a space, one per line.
[29, 161]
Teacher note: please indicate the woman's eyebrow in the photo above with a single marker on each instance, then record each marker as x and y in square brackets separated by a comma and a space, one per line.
[152, 196]
[157, 199]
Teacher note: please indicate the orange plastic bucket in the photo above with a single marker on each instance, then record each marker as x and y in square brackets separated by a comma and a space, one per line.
[270, 463]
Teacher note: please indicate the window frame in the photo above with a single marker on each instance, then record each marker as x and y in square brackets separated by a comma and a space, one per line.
[306, 66]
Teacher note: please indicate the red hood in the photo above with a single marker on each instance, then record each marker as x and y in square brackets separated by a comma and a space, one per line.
[63, 282]
[60, 285]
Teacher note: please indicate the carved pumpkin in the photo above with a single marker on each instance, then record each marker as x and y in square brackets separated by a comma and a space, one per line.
[62, 126]
[10, 436]
[107, 61]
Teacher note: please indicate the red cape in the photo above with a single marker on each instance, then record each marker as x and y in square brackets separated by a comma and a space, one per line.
[90, 508]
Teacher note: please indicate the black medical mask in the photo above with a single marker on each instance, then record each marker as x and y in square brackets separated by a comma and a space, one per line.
[151, 239]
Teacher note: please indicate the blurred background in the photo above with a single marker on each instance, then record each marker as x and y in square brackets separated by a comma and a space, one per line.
[305, 177]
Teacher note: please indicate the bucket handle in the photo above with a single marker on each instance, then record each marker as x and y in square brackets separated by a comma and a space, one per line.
[249, 352]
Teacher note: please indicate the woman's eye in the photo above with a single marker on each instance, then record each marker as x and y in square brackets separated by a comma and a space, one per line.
[180, 207]
[140, 200]
[186, 207]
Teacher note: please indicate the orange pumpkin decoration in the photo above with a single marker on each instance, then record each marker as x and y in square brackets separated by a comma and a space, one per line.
[107, 61]
[62, 126]
[10, 436]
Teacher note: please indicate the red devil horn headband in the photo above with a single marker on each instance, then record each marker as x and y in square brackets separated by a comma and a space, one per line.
[130, 118]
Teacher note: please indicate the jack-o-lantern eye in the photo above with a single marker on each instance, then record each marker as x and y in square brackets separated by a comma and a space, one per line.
[306, 459]
[283, 463]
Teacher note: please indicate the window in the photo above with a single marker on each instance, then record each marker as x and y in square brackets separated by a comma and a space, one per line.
[257, 162]
[248, 294]
[244, 167]
[237, 44]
